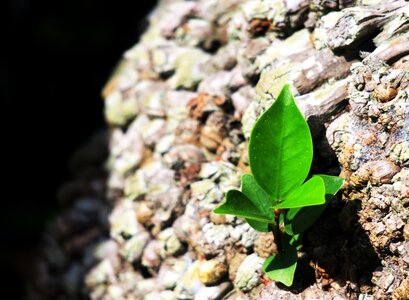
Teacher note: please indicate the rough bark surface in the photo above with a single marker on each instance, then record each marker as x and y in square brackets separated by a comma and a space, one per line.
[180, 109]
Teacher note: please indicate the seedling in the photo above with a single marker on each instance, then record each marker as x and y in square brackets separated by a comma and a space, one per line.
[277, 196]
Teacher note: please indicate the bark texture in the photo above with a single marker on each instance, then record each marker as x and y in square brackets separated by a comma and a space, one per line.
[180, 108]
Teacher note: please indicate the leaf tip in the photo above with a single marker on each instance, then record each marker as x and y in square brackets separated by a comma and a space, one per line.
[218, 209]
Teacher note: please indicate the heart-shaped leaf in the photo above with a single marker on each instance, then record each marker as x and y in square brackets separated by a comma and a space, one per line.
[310, 193]
[297, 220]
[238, 204]
[280, 147]
[281, 267]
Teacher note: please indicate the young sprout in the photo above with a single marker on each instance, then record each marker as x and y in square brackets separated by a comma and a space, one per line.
[278, 196]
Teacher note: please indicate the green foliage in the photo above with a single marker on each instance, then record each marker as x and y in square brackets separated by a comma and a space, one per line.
[280, 156]
[281, 267]
[280, 147]
[297, 220]
[239, 205]
[310, 193]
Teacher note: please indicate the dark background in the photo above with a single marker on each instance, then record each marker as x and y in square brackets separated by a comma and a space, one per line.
[56, 55]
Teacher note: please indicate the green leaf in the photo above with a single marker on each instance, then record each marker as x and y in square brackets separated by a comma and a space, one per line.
[257, 195]
[298, 220]
[260, 199]
[259, 226]
[280, 147]
[238, 204]
[332, 183]
[310, 193]
[281, 267]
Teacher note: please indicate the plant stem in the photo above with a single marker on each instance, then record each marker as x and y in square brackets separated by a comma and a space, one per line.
[276, 229]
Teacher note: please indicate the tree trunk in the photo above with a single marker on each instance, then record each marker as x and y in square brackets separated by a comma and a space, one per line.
[180, 109]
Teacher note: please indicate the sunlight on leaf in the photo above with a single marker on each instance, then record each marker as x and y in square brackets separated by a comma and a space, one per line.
[238, 204]
[310, 193]
[280, 147]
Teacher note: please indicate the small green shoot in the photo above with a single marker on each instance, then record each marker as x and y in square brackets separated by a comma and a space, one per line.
[277, 196]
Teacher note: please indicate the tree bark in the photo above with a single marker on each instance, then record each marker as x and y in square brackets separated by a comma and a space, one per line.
[180, 108]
